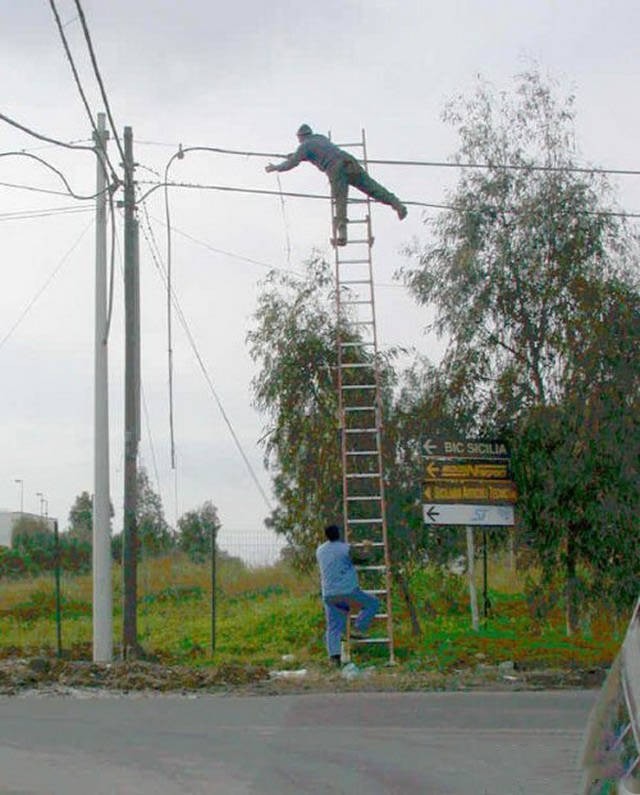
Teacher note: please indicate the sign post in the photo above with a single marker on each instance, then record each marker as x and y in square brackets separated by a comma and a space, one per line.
[468, 482]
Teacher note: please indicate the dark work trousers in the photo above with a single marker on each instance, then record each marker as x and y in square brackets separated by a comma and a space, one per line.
[349, 172]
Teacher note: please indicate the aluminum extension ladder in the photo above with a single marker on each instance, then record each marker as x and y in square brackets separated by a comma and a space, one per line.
[360, 412]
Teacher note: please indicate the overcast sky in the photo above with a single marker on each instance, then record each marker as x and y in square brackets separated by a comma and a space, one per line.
[243, 76]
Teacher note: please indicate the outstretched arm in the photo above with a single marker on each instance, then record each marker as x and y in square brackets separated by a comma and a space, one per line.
[291, 162]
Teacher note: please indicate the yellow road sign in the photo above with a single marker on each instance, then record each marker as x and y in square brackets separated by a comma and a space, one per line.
[471, 491]
[443, 469]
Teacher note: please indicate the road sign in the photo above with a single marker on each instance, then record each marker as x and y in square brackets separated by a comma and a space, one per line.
[467, 469]
[486, 515]
[476, 448]
[472, 491]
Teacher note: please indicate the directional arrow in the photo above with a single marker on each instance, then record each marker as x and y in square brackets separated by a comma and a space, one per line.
[431, 513]
[429, 447]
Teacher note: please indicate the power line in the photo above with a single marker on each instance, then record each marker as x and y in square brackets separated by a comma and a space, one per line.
[78, 83]
[205, 372]
[56, 171]
[96, 70]
[426, 163]
[430, 205]
[43, 137]
[44, 213]
[46, 284]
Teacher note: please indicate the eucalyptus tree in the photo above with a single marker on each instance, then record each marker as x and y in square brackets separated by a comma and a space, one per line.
[520, 270]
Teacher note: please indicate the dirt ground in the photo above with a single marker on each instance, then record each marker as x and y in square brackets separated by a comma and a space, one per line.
[46, 674]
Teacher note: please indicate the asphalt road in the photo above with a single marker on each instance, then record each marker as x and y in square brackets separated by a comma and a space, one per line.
[418, 743]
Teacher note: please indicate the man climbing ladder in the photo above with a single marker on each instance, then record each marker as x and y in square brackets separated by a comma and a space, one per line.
[343, 170]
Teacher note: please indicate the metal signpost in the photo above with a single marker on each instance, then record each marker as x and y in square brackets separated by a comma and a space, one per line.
[468, 482]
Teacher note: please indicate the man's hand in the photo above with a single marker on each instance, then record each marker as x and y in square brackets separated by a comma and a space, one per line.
[269, 168]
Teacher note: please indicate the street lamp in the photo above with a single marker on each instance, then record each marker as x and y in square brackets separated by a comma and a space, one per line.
[21, 482]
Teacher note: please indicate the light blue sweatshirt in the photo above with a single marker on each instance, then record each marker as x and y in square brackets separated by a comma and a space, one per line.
[337, 573]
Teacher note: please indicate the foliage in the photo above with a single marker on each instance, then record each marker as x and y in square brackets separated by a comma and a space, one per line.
[28, 526]
[513, 262]
[294, 343]
[533, 282]
[267, 612]
[197, 531]
[81, 518]
[154, 534]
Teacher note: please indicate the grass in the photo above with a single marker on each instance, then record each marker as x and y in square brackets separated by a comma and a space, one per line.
[265, 613]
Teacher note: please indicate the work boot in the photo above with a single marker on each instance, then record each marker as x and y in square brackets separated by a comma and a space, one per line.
[335, 659]
[402, 211]
[340, 238]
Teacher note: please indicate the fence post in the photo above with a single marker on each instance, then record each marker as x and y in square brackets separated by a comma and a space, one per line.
[56, 541]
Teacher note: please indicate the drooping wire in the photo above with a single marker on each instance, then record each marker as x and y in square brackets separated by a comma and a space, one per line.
[42, 136]
[185, 325]
[46, 284]
[56, 171]
[285, 222]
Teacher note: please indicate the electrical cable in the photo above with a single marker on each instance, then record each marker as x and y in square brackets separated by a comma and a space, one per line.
[42, 137]
[76, 77]
[430, 205]
[56, 171]
[425, 163]
[19, 215]
[203, 368]
[46, 284]
[96, 70]
[286, 225]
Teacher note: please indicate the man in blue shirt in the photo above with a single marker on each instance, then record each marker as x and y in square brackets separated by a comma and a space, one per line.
[341, 592]
[343, 170]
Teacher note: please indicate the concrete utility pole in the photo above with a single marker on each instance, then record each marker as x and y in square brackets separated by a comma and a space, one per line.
[102, 589]
[131, 404]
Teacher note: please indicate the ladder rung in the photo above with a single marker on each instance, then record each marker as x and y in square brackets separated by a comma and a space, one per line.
[355, 281]
[363, 499]
[364, 521]
[361, 322]
[377, 616]
[355, 344]
[357, 365]
[369, 544]
[367, 475]
[361, 430]
[375, 591]
[371, 568]
[362, 452]
[354, 261]
[359, 386]
[359, 220]
[360, 408]
[370, 640]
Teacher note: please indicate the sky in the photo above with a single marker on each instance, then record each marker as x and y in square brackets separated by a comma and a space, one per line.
[241, 76]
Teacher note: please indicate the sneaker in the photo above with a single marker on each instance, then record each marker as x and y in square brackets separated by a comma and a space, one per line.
[335, 659]
[339, 241]
[355, 634]
[402, 211]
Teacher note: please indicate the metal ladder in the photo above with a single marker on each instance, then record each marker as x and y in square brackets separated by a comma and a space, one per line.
[360, 413]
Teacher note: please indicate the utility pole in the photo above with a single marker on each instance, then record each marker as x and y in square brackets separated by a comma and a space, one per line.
[131, 405]
[102, 589]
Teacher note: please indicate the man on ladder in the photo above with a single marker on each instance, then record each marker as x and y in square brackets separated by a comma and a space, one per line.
[343, 170]
[341, 592]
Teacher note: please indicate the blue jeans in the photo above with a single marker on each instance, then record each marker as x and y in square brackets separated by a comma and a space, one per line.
[337, 609]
